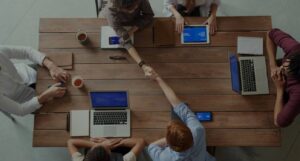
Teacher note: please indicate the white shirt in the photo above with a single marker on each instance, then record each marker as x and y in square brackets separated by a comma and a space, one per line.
[15, 95]
[128, 157]
[204, 6]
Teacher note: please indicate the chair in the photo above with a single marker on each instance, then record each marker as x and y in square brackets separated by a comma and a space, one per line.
[9, 116]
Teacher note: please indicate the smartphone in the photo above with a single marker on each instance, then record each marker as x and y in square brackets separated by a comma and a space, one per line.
[204, 116]
[114, 40]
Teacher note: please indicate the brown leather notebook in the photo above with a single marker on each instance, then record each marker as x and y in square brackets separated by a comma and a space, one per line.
[164, 32]
[63, 60]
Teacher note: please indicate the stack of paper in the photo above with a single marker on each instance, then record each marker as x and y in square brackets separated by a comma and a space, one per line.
[250, 45]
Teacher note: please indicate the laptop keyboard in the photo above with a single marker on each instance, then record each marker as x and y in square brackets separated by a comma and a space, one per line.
[110, 118]
[248, 75]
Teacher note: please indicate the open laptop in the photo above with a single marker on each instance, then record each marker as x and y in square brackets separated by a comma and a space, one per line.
[195, 34]
[249, 75]
[109, 117]
[109, 38]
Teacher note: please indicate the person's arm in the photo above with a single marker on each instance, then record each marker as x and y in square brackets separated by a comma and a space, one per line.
[283, 40]
[279, 81]
[178, 18]
[20, 109]
[271, 50]
[168, 91]
[212, 20]
[289, 111]
[21, 52]
[278, 104]
[75, 144]
[56, 73]
[136, 144]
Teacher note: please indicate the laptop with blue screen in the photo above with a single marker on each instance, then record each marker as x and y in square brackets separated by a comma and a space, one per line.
[195, 34]
[109, 117]
[248, 75]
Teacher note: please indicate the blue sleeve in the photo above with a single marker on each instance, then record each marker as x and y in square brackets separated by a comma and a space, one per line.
[156, 153]
[191, 121]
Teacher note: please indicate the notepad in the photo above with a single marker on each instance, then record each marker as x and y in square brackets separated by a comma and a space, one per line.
[250, 45]
[79, 122]
[63, 60]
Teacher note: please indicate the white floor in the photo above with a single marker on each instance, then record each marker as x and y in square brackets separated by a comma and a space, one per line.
[19, 26]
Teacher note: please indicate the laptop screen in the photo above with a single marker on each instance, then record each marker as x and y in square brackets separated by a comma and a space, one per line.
[109, 99]
[195, 34]
[235, 73]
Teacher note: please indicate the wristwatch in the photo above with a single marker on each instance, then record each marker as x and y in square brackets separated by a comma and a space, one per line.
[141, 63]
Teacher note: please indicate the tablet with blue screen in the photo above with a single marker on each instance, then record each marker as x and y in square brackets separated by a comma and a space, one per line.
[195, 34]
[109, 99]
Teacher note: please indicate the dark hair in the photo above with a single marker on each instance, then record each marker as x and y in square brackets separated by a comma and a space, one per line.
[294, 67]
[124, 3]
[97, 154]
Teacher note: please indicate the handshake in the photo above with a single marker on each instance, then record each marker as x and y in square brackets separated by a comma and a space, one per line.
[150, 72]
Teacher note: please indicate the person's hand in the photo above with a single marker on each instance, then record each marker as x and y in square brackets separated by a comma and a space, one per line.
[278, 78]
[179, 23]
[110, 143]
[58, 74]
[98, 139]
[150, 72]
[212, 23]
[52, 92]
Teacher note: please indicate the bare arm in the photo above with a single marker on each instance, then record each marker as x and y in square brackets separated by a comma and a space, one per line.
[168, 91]
[136, 144]
[134, 54]
[179, 19]
[75, 144]
[278, 104]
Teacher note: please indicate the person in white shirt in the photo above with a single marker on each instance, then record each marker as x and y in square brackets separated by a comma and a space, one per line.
[181, 8]
[16, 95]
[100, 149]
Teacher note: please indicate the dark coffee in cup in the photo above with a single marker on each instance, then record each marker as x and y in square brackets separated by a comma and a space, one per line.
[82, 37]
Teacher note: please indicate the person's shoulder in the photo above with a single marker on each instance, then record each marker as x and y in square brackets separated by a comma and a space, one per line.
[77, 157]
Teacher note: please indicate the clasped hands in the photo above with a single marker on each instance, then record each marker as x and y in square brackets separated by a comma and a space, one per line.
[150, 72]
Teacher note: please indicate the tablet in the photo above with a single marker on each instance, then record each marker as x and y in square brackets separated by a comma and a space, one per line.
[195, 34]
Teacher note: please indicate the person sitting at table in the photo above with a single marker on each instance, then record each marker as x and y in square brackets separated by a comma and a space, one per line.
[135, 13]
[185, 138]
[17, 95]
[192, 8]
[286, 76]
[101, 149]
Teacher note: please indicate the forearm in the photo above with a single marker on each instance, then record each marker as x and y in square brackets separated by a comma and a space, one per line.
[175, 13]
[278, 104]
[137, 145]
[134, 54]
[75, 144]
[132, 30]
[213, 9]
[168, 91]
[271, 50]
[48, 63]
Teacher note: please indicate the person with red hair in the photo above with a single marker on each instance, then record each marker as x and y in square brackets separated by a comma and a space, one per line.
[185, 138]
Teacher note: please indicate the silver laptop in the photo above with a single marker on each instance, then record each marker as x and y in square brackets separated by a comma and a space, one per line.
[249, 75]
[109, 117]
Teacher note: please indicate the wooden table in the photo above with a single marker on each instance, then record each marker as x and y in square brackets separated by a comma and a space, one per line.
[199, 75]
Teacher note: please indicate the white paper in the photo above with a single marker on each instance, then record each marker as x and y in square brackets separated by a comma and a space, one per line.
[250, 45]
[79, 122]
